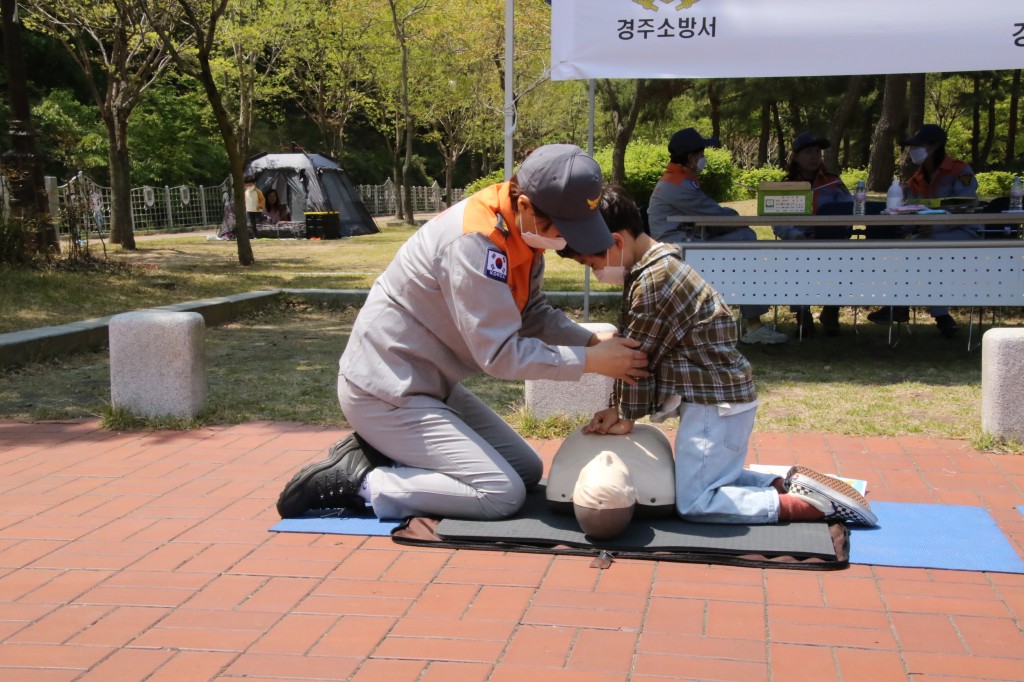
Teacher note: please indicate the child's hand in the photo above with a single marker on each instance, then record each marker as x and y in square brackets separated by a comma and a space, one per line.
[607, 422]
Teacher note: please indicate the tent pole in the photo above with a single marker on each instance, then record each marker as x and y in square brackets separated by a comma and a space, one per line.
[510, 107]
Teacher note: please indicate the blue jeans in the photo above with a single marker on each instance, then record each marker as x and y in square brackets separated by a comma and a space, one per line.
[711, 484]
[743, 234]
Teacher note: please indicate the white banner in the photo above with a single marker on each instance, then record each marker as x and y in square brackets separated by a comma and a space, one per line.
[739, 38]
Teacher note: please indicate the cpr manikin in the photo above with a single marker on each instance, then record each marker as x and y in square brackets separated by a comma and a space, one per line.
[606, 470]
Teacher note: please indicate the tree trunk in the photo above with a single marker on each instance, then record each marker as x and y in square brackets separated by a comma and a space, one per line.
[121, 229]
[450, 159]
[715, 104]
[766, 134]
[990, 135]
[882, 166]
[235, 160]
[1011, 128]
[22, 166]
[410, 217]
[396, 177]
[841, 118]
[780, 136]
[245, 102]
[626, 114]
[915, 112]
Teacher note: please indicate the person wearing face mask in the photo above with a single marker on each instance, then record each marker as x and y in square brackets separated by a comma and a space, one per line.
[678, 192]
[697, 374]
[463, 297]
[937, 176]
[807, 165]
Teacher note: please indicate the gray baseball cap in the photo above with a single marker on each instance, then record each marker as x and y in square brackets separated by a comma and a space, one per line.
[565, 183]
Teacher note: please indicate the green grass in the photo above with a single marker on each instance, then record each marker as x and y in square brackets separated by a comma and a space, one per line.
[281, 362]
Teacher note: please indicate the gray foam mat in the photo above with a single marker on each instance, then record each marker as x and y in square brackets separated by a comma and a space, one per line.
[537, 524]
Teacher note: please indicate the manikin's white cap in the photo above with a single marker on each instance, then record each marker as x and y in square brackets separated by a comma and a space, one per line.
[604, 497]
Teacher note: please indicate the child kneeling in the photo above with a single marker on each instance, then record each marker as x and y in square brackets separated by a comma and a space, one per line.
[697, 374]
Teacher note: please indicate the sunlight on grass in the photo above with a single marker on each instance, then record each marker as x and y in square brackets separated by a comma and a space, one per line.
[280, 363]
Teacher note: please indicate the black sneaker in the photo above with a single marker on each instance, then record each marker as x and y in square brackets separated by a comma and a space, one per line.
[947, 326]
[333, 483]
[890, 314]
[829, 319]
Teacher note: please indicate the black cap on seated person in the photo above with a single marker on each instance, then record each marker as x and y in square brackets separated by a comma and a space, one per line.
[805, 140]
[565, 184]
[688, 140]
[929, 133]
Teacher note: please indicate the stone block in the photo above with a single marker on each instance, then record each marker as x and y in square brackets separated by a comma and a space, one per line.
[158, 363]
[546, 398]
[1002, 391]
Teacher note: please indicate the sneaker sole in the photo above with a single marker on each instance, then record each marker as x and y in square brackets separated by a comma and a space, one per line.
[851, 504]
[292, 502]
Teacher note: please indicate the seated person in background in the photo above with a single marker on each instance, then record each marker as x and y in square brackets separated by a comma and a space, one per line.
[678, 193]
[806, 164]
[937, 176]
[697, 374]
[275, 211]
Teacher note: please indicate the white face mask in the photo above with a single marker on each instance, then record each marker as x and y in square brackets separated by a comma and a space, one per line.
[918, 154]
[611, 274]
[702, 163]
[535, 241]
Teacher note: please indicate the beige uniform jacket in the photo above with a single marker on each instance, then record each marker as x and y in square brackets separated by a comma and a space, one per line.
[438, 315]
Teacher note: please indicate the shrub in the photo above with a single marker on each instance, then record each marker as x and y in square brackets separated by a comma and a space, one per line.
[994, 183]
[850, 176]
[492, 178]
[645, 162]
[748, 180]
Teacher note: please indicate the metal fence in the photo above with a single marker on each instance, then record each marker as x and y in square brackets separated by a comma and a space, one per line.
[83, 204]
[380, 199]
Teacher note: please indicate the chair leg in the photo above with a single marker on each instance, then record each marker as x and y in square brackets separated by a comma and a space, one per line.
[981, 327]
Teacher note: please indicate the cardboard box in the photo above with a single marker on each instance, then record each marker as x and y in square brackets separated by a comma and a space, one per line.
[785, 198]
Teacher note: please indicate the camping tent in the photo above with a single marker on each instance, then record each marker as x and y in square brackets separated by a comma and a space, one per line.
[315, 189]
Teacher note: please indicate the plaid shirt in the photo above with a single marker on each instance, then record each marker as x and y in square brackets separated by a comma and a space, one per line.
[689, 335]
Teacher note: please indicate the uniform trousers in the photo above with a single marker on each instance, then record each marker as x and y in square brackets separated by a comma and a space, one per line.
[455, 458]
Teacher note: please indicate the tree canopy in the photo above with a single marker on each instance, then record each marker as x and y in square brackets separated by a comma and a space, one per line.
[328, 75]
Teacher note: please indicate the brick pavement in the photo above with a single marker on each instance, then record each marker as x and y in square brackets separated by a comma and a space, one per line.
[146, 556]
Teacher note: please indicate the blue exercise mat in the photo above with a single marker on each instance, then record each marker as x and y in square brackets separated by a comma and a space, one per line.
[335, 522]
[953, 537]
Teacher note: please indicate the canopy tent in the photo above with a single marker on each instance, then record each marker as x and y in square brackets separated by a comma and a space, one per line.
[313, 185]
[753, 38]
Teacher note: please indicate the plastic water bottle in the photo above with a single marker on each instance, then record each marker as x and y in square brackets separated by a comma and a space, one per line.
[894, 197]
[1017, 195]
[860, 194]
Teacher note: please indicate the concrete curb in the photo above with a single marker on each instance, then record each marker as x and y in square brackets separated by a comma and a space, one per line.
[19, 348]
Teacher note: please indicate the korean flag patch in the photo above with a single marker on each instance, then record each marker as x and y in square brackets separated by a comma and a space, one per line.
[497, 265]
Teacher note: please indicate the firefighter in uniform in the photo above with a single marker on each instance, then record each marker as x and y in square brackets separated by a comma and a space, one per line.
[463, 296]
[937, 177]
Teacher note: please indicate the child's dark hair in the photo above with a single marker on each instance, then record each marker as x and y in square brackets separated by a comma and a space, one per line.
[619, 211]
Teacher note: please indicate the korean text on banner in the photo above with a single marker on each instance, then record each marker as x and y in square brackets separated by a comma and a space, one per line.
[741, 38]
